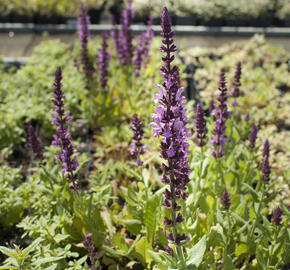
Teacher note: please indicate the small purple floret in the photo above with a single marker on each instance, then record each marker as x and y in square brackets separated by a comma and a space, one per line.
[277, 216]
[253, 136]
[225, 200]
[34, 143]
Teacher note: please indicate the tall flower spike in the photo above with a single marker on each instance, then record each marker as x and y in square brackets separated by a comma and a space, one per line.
[237, 83]
[266, 169]
[200, 126]
[277, 216]
[126, 34]
[88, 244]
[63, 139]
[225, 200]
[84, 33]
[34, 143]
[253, 136]
[137, 148]
[104, 58]
[115, 37]
[170, 124]
[219, 139]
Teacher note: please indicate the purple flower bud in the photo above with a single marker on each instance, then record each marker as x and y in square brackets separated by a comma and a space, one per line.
[167, 221]
[169, 250]
[84, 33]
[277, 216]
[137, 148]
[247, 117]
[179, 218]
[170, 237]
[63, 139]
[253, 136]
[200, 126]
[180, 238]
[219, 139]
[266, 149]
[225, 200]
[88, 244]
[34, 143]
[104, 58]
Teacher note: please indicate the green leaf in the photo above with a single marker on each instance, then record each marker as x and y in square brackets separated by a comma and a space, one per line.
[241, 249]
[142, 248]
[195, 254]
[228, 263]
[9, 252]
[152, 216]
[31, 247]
[48, 260]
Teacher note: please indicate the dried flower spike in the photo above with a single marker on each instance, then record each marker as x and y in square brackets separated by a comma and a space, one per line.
[137, 148]
[34, 143]
[63, 139]
[200, 126]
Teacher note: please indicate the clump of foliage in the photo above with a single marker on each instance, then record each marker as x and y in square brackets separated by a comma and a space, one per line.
[187, 208]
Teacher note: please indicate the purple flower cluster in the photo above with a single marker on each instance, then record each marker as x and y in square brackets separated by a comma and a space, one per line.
[237, 83]
[266, 169]
[219, 138]
[84, 33]
[34, 143]
[104, 58]
[170, 123]
[63, 139]
[88, 244]
[277, 216]
[137, 148]
[200, 126]
[253, 136]
[142, 51]
[225, 200]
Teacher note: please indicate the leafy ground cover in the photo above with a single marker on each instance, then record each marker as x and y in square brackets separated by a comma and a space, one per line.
[124, 209]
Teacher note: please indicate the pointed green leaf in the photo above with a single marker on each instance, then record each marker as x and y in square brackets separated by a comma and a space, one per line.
[195, 254]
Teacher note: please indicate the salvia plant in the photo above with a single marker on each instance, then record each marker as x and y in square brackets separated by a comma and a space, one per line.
[138, 179]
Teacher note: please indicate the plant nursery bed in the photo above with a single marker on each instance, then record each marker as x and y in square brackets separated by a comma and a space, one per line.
[102, 169]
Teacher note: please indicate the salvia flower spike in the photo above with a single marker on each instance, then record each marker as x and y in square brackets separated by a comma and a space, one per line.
[34, 143]
[170, 124]
[63, 139]
[104, 58]
[219, 139]
[137, 147]
[88, 244]
[277, 216]
[253, 136]
[237, 83]
[200, 126]
[126, 34]
[225, 200]
[84, 33]
[266, 168]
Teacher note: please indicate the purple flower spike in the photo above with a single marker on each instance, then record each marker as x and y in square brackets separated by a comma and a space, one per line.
[253, 136]
[200, 126]
[115, 37]
[277, 216]
[266, 169]
[142, 51]
[225, 200]
[137, 147]
[34, 143]
[219, 139]
[170, 124]
[104, 58]
[126, 34]
[84, 33]
[237, 83]
[88, 244]
[247, 117]
[63, 139]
